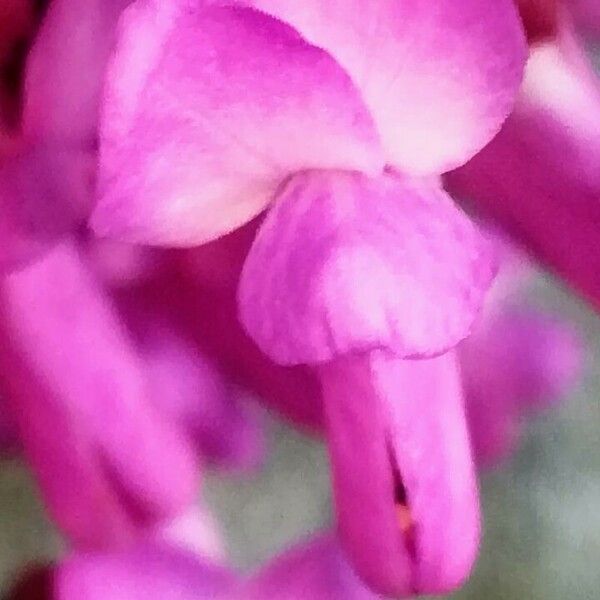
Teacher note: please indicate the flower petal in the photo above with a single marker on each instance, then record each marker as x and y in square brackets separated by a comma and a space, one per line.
[316, 569]
[345, 263]
[209, 129]
[194, 530]
[586, 14]
[66, 68]
[518, 360]
[44, 192]
[438, 78]
[82, 499]
[199, 294]
[151, 571]
[539, 178]
[189, 389]
[404, 482]
[66, 334]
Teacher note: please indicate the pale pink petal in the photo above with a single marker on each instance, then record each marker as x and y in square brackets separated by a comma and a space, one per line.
[438, 78]
[195, 530]
[404, 483]
[539, 178]
[345, 263]
[71, 343]
[209, 128]
[316, 569]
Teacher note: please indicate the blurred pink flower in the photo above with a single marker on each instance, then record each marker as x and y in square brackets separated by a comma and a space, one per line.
[182, 560]
[107, 461]
[586, 14]
[518, 360]
[110, 400]
[47, 173]
[539, 177]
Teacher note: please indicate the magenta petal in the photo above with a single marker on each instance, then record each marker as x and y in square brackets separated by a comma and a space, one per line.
[79, 495]
[206, 300]
[404, 482]
[515, 362]
[534, 358]
[313, 570]
[148, 572]
[346, 263]
[45, 190]
[438, 78]
[66, 69]
[586, 14]
[208, 314]
[70, 342]
[292, 392]
[539, 178]
[187, 387]
[209, 128]
[119, 264]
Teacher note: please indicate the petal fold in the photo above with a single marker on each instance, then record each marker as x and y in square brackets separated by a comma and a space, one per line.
[439, 78]
[344, 263]
[209, 128]
[404, 482]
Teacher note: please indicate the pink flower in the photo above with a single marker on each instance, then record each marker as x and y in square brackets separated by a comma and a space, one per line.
[353, 291]
[363, 264]
[539, 178]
